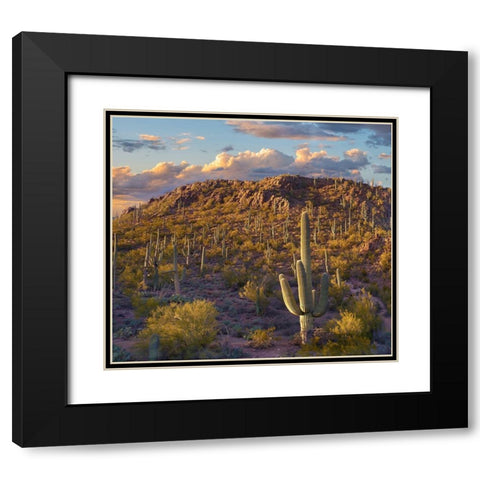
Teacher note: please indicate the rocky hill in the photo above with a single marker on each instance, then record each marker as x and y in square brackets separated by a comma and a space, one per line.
[227, 241]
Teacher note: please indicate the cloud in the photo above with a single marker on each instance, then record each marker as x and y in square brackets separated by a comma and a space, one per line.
[128, 145]
[304, 156]
[227, 148]
[199, 137]
[145, 140]
[247, 165]
[385, 155]
[322, 164]
[379, 134]
[181, 141]
[150, 138]
[303, 145]
[292, 130]
[381, 168]
[357, 156]
[162, 177]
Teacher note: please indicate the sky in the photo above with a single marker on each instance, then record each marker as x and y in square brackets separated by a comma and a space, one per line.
[152, 155]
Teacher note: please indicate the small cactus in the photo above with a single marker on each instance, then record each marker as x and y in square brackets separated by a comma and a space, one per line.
[154, 352]
[176, 280]
[202, 261]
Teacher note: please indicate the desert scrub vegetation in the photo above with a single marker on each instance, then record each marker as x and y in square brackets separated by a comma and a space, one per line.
[120, 354]
[255, 292]
[348, 337]
[338, 291]
[182, 329]
[366, 311]
[261, 338]
[227, 241]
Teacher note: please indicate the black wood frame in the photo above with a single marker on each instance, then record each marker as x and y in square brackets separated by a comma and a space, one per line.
[42, 63]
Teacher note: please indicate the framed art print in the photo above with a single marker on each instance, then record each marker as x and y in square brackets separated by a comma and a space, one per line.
[202, 250]
[233, 230]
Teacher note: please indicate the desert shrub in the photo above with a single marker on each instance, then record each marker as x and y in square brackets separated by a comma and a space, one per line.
[373, 289]
[255, 293]
[338, 293]
[130, 278]
[120, 354]
[348, 325]
[296, 339]
[237, 330]
[386, 296]
[350, 346]
[385, 259]
[309, 349]
[347, 337]
[269, 282]
[321, 335]
[365, 309]
[261, 338]
[124, 333]
[143, 306]
[342, 264]
[234, 278]
[183, 329]
[176, 299]
[162, 276]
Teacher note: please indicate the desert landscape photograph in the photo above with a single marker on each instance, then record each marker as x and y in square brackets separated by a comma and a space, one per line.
[248, 239]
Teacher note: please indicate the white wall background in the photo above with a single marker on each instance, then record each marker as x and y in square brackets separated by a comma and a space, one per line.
[410, 24]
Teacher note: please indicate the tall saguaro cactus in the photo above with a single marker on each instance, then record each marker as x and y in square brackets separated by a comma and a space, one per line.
[176, 279]
[310, 303]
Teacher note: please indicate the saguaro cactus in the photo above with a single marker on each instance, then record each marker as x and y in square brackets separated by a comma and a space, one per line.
[310, 304]
[202, 261]
[154, 349]
[176, 280]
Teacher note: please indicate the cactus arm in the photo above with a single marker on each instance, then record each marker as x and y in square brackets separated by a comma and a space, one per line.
[288, 297]
[305, 249]
[304, 294]
[322, 304]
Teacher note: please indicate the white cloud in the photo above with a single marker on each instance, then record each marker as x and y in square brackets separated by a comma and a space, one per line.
[247, 165]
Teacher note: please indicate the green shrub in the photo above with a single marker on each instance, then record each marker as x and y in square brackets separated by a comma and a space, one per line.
[124, 333]
[348, 337]
[365, 309]
[120, 354]
[261, 338]
[386, 296]
[337, 293]
[348, 325]
[255, 293]
[234, 278]
[183, 329]
[144, 306]
[351, 346]
[130, 279]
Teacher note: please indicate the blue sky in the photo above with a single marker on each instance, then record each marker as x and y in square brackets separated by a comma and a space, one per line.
[153, 155]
